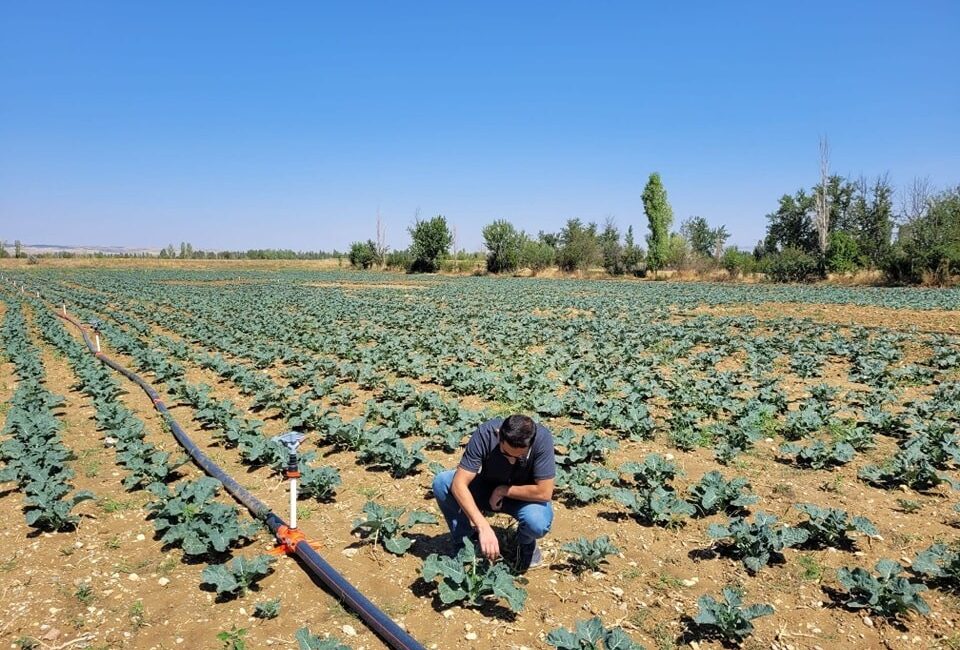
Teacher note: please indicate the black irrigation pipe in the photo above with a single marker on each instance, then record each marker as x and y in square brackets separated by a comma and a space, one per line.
[379, 622]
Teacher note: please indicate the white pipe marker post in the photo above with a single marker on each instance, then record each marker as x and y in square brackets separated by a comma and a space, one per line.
[97, 337]
[293, 503]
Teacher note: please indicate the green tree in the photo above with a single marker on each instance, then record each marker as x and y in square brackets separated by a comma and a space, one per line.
[677, 251]
[841, 195]
[186, 251]
[579, 248]
[362, 255]
[611, 250]
[660, 217]
[537, 255]
[550, 239]
[719, 237]
[633, 255]
[3, 250]
[18, 249]
[791, 226]
[929, 242]
[843, 253]
[504, 244]
[699, 234]
[874, 222]
[431, 243]
[737, 262]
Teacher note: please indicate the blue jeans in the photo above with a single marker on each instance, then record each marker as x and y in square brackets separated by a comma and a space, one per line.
[534, 517]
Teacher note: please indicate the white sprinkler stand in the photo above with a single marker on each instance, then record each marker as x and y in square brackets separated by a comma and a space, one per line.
[95, 324]
[290, 441]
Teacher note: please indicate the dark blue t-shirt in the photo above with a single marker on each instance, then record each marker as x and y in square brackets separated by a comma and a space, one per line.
[483, 456]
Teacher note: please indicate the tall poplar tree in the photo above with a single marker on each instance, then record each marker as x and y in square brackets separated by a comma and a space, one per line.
[660, 216]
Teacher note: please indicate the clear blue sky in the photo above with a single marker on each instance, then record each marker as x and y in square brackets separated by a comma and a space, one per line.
[236, 125]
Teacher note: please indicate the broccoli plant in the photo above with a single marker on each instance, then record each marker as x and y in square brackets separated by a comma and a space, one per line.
[940, 563]
[653, 471]
[829, 527]
[591, 635]
[589, 448]
[384, 447]
[267, 609]
[191, 519]
[588, 554]
[236, 577]
[307, 641]
[583, 483]
[472, 579]
[148, 465]
[715, 494]
[47, 508]
[818, 455]
[802, 423]
[727, 619]
[383, 525]
[320, 483]
[656, 506]
[913, 465]
[733, 439]
[886, 594]
[654, 501]
[758, 542]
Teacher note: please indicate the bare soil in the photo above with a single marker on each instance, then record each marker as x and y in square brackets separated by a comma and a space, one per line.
[111, 584]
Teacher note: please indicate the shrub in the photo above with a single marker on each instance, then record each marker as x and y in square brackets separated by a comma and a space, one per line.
[791, 265]
[536, 255]
[362, 255]
[736, 262]
[843, 253]
[400, 260]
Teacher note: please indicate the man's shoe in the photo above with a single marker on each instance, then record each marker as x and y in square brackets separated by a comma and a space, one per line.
[529, 557]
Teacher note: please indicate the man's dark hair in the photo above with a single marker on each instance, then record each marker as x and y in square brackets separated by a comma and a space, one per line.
[518, 431]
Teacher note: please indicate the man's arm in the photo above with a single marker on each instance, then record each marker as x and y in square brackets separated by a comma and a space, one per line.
[489, 545]
[541, 491]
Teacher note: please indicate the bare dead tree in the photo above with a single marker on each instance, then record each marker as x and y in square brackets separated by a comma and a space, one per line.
[822, 204]
[915, 200]
[381, 240]
[456, 254]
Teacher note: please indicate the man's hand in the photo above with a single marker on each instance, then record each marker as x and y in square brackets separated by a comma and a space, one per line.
[497, 496]
[489, 544]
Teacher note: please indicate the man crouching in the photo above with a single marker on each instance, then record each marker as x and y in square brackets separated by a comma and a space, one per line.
[508, 466]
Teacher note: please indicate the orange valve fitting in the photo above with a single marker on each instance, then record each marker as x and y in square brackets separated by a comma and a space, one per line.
[288, 539]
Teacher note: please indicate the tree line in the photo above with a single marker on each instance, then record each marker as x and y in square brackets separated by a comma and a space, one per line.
[185, 252]
[840, 225]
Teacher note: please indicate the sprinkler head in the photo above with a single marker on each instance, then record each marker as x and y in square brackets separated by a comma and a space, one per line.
[290, 440]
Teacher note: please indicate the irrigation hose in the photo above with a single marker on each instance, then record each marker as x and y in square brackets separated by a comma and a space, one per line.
[379, 622]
